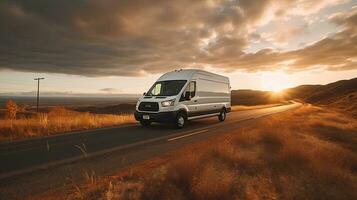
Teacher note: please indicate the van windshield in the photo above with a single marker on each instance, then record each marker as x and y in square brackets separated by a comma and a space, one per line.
[166, 88]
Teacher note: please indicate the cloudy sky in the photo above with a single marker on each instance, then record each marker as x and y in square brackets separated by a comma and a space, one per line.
[110, 46]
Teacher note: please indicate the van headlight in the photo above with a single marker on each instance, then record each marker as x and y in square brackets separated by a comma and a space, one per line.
[168, 103]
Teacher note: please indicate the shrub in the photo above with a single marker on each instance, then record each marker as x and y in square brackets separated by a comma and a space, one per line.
[58, 120]
[59, 111]
[11, 109]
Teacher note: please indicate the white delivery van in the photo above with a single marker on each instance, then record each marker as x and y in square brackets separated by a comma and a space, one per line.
[184, 95]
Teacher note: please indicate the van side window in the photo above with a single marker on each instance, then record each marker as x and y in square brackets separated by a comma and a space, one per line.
[191, 88]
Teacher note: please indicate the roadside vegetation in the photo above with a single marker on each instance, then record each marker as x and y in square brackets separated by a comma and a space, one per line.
[16, 123]
[308, 153]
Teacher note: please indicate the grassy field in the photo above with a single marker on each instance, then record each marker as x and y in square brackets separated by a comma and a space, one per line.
[57, 120]
[308, 153]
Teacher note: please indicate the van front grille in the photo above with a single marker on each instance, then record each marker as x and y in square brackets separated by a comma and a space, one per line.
[149, 106]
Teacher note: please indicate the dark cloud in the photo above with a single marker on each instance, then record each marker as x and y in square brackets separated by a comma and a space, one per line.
[335, 53]
[131, 38]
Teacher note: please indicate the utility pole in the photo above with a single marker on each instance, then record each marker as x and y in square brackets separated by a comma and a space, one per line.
[38, 91]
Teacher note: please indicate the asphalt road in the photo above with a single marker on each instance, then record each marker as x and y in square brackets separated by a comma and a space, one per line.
[28, 154]
[106, 150]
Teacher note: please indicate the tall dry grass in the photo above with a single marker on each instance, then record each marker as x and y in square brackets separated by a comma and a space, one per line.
[309, 153]
[57, 120]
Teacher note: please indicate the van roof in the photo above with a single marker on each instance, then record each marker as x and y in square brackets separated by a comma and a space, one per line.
[187, 74]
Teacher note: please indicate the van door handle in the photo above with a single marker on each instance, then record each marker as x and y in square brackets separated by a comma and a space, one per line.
[195, 101]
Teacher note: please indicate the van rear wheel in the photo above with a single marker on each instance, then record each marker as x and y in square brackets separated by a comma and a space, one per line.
[145, 122]
[222, 115]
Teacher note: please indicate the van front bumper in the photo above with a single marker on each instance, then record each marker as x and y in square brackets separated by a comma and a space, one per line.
[161, 117]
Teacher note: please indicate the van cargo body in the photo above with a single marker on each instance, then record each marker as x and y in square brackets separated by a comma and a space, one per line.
[184, 95]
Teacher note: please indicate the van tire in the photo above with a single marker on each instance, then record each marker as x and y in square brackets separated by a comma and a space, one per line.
[180, 120]
[145, 123]
[222, 115]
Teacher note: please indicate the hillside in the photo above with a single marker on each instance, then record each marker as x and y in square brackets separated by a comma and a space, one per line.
[332, 92]
[324, 94]
[341, 95]
[302, 91]
[347, 103]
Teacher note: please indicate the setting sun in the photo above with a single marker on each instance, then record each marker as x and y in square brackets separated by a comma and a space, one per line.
[275, 81]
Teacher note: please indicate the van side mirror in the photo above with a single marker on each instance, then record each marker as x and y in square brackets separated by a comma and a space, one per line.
[187, 96]
[144, 93]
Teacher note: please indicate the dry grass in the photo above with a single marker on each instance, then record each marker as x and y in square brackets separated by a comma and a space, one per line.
[347, 103]
[58, 120]
[309, 153]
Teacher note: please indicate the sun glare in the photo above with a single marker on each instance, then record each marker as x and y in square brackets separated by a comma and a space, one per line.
[275, 81]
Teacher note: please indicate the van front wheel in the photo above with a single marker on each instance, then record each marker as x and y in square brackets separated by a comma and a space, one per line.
[180, 120]
[222, 115]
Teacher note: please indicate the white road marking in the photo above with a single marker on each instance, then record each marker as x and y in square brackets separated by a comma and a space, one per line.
[187, 135]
